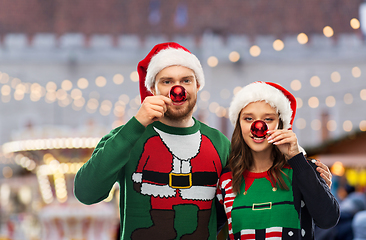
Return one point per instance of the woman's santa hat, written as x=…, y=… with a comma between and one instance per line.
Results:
x=165, y=55
x=274, y=94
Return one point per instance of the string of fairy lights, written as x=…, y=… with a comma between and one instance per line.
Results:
x=315, y=81
x=69, y=95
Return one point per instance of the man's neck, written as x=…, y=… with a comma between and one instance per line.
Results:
x=181, y=123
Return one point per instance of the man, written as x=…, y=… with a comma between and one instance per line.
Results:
x=166, y=162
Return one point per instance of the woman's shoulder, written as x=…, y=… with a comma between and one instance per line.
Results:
x=311, y=162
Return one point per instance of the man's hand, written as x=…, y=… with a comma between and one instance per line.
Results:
x=152, y=109
x=324, y=172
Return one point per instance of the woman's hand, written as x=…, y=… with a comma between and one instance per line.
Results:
x=285, y=140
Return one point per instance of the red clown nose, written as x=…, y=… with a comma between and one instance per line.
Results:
x=259, y=129
x=178, y=93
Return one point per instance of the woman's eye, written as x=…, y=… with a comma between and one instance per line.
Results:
x=248, y=119
x=268, y=119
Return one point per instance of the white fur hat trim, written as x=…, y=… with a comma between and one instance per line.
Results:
x=260, y=91
x=173, y=57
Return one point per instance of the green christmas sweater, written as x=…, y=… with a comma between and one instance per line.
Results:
x=262, y=210
x=167, y=177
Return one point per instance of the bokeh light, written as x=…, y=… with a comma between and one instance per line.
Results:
x=225, y=93
x=347, y=126
x=5, y=90
x=299, y=103
x=332, y=125
x=356, y=72
x=83, y=83
x=212, y=61
x=254, y=51
x=363, y=94
x=51, y=86
x=300, y=123
x=348, y=98
x=66, y=85
x=313, y=102
x=234, y=56
x=296, y=85
x=205, y=95
x=362, y=125
x=100, y=81
x=328, y=31
x=118, y=79
x=278, y=45
x=336, y=77
x=330, y=101
x=355, y=24
x=134, y=76
x=315, y=81
x=302, y=38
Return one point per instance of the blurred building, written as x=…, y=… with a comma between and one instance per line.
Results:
x=316, y=49
x=68, y=71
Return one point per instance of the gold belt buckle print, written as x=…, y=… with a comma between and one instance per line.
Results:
x=262, y=206
x=187, y=177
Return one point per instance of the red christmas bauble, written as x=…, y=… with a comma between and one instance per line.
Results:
x=259, y=128
x=178, y=93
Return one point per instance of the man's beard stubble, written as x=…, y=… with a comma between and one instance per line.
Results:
x=180, y=112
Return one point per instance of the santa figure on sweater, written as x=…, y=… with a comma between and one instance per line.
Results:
x=175, y=169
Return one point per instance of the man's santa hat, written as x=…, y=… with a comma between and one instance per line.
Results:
x=165, y=55
x=274, y=94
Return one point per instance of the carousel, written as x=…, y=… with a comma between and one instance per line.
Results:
x=49, y=158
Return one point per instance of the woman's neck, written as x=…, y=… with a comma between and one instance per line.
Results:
x=262, y=161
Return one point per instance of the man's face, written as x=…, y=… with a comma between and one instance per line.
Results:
x=177, y=75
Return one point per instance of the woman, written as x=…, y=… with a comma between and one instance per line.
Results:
x=269, y=190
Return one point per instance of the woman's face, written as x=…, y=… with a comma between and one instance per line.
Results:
x=257, y=111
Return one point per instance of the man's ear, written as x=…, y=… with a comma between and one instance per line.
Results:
x=153, y=90
x=198, y=86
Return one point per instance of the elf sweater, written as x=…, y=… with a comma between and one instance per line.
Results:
x=264, y=211
x=167, y=178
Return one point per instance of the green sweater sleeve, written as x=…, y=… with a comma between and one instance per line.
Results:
x=97, y=176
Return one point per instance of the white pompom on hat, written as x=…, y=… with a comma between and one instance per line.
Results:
x=165, y=55
x=274, y=94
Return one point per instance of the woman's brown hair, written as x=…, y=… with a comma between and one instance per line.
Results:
x=241, y=159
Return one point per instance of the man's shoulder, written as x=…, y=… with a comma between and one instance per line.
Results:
x=111, y=133
x=215, y=136
x=210, y=130
x=114, y=130
x=129, y=127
